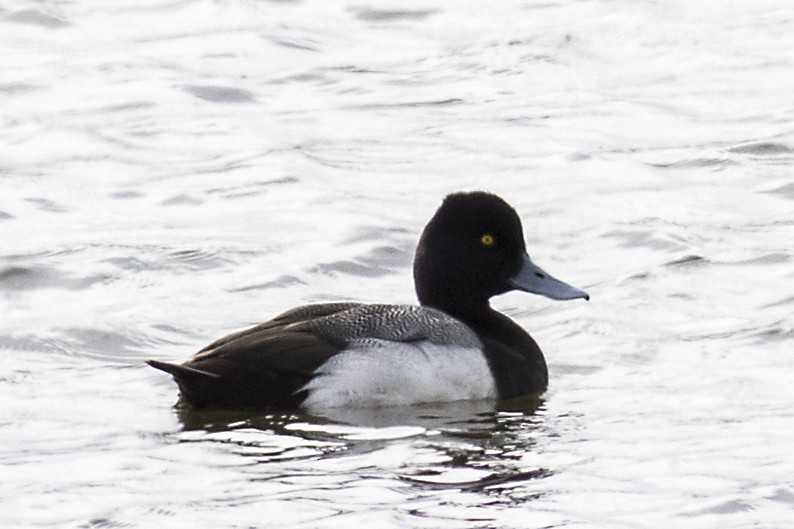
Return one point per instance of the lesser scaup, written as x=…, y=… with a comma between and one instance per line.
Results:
x=452, y=347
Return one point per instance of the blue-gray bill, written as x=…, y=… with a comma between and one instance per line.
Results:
x=531, y=278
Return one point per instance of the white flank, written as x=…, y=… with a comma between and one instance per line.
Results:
x=376, y=373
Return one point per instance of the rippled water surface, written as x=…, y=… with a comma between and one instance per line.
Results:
x=173, y=171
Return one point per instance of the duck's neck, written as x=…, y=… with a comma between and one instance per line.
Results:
x=486, y=321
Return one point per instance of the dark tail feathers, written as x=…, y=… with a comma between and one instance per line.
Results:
x=182, y=373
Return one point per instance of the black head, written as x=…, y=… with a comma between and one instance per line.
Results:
x=468, y=250
x=472, y=249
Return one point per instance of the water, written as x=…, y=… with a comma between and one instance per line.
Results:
x=173, y=171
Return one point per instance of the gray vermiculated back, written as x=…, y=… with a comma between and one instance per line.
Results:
x=404, y=323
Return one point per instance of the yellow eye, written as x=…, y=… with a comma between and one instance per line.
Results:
x=487, y=239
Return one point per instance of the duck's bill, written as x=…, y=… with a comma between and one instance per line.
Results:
x=531, y=278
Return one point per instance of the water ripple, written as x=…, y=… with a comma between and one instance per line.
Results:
x=37, y=18
x=37, y=277
x=221, y=94
x=386, y=15
x=764, y=149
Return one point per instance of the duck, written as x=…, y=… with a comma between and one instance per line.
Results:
x=453, y=346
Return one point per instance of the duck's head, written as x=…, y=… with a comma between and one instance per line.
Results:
x=472, y=249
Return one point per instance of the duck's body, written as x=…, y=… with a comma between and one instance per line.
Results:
x=453, y=347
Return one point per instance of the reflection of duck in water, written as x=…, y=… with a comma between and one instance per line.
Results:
x=453, y=347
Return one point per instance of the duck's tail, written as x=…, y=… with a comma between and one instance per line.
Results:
x=197, y=388
x=182, y=373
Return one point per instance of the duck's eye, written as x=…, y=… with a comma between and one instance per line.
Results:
x=487, y=239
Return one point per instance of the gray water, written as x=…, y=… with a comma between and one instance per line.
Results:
x=174, y=171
